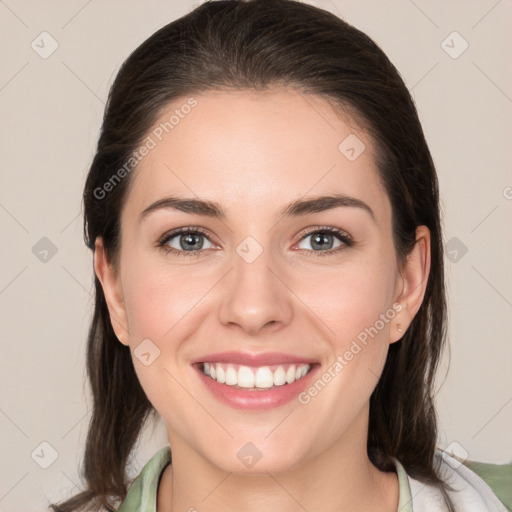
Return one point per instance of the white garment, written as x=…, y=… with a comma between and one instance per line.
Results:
x=470, y=494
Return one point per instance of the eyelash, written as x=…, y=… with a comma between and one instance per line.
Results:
x=182, y=231
x=341, y=235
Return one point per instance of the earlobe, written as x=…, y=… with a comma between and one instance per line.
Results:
x=397, y=332
x=414, y=278
x=111, y=284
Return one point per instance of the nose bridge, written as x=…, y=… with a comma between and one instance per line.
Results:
x=254, y=297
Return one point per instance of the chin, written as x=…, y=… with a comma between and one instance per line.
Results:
x=257, y=459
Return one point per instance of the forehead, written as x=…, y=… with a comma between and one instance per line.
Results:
x=255, y=149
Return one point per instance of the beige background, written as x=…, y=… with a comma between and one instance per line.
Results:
x=51, y=111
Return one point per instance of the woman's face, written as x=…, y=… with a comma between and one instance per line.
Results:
x=266, y=291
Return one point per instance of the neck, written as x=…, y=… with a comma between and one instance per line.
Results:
x=341, y=479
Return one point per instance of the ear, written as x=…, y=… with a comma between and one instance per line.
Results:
x=413, y=283
x=111, y=284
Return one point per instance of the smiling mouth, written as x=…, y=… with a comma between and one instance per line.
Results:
x=255, y=378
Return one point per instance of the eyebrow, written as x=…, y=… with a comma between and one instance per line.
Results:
x=294, y=209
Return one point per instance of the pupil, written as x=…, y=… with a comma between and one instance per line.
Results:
x=191, y=239
x=321, y=240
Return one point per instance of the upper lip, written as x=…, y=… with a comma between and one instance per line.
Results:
x=252, y=359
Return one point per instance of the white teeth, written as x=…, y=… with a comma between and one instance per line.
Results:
x=279, y=377
x=231, y=376
x=245, y=377
x=221, y=375
x=255, y=378
x=264, y=378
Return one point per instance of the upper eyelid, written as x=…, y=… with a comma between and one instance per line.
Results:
x=329, y=229
x=180, y=231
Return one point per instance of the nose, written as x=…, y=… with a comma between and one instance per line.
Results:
x=255, y=297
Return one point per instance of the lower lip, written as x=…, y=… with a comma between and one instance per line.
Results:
x=253, y=399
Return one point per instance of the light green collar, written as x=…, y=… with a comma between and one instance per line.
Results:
x=404, y=491
x=143, y=492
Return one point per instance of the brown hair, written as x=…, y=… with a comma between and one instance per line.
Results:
x=256, y=44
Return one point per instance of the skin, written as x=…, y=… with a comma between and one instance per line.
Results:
x=253, y=153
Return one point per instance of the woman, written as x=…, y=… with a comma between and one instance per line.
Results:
x=264, y=216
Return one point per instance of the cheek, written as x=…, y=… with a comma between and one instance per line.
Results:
x=158, y=297
x=351, y=299
x=159, y=302
x=356, y=310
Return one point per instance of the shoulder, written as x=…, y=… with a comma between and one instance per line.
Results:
x=472, y=490
x=497, y=476
x=142, y=494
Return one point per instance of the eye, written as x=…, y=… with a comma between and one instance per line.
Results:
x=185, y=242
x=190, y=241
x=327, y=240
